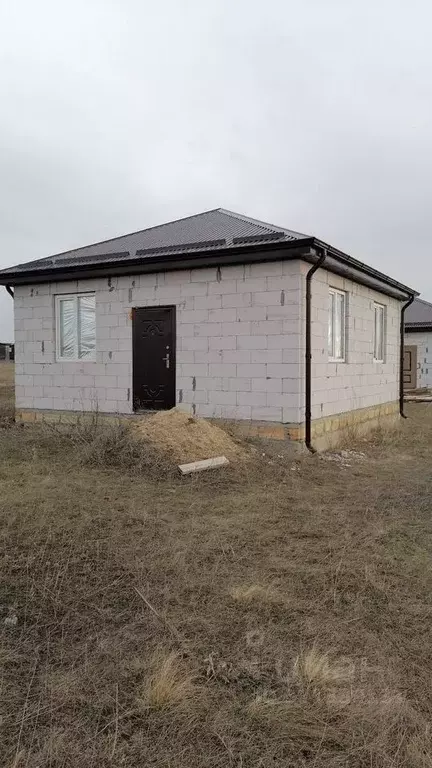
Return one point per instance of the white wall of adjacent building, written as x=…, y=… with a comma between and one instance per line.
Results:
x=423, y=341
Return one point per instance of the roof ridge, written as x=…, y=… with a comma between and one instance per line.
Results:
x=259, y=223
x=129, y=234
x=249, y=220
x=423, y=301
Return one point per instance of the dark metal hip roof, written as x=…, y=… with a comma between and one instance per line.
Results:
x=211, y=238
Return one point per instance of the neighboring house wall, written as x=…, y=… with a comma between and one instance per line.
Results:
x=359, y=382
x=238, y=342
x=423, y=342
x=6, y=352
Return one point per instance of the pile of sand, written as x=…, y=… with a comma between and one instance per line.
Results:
x=186, y=438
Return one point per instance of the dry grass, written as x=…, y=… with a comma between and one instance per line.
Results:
x=314, y=668
x=328, y=667
x=7, y=410
x=103, y=445
x=7, y=376
x=377, y=732
x=170, y=684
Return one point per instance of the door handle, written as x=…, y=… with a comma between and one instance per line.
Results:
x=166, y=359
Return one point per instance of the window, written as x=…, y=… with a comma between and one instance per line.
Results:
x=336, y=328
x=76, y=326
x=379, y=333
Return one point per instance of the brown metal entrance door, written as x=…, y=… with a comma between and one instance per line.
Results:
x=410, y=367
x=154, y=358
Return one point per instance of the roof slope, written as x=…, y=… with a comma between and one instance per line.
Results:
x=214, y=237
x=214, y=229
x=419, y=314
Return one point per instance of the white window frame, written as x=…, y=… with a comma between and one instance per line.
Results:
x=332, y=357
x=75, y=359
x=382, y=308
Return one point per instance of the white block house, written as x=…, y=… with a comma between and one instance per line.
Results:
x=218, y=314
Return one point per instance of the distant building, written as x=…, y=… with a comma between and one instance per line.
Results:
x=7, y=352
x=418, y=345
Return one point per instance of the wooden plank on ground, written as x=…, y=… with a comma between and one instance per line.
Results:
x=199, y=466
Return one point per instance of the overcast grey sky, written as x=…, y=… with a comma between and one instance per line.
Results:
x=120, y=114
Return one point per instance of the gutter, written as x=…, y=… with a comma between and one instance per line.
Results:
x=308, y=354
x=9, y=290
x=401, y=356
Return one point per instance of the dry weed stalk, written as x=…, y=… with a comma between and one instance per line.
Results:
x=249, y=593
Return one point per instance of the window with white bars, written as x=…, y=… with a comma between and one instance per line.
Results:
x=337, y=325
x=379, y=333
x=76, y=327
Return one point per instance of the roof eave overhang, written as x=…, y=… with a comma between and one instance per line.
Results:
x=297, y=249
x=346, y=266
x=418, y=328
x=307, y=249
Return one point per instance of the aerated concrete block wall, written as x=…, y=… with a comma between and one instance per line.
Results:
x=423, y=342
x=359, y=382
x=239, y=342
